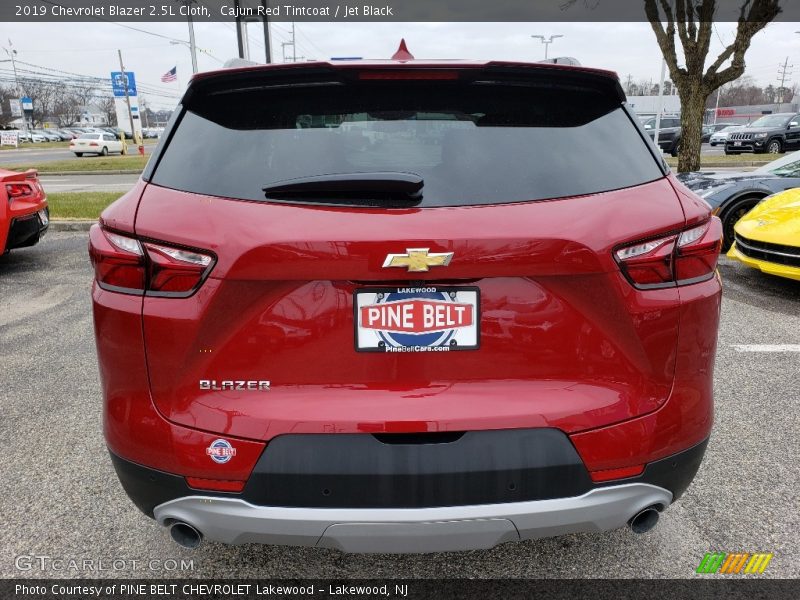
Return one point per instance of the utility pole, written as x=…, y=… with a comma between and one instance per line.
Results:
x=546, y=41
x=192, y=47
x=144, y=106
x=628, y=84
x=12, y=53
x=660, y=103
x=267, y=45
x=294, y=45
x=783, y=73
x=127, y=97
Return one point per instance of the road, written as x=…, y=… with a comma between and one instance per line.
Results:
x=61, y=497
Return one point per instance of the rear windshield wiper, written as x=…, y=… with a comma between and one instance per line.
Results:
x=370, y=189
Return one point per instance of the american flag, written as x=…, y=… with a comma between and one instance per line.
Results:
x=171, y=75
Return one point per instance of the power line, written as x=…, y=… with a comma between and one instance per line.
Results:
x=166, y=37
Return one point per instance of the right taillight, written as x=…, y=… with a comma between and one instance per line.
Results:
x=124, y=264
x=681, y=258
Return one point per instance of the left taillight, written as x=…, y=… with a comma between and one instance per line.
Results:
x=123, y=263
x=681, y=258
x=21, y=191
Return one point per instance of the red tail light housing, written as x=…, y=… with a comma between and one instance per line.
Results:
x=123, y=263
x=680, y=258
x=21, y=191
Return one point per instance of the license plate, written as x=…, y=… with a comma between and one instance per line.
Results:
x=417, y=319
x=737, y=143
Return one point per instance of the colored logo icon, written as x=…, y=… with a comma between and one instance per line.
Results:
x=221, y=451
x=737, y=562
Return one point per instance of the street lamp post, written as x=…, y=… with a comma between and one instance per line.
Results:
x=188, y=45
x=192, y=47
x=547, y=41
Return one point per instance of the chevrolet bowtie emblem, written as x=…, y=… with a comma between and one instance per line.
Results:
x=418, y=260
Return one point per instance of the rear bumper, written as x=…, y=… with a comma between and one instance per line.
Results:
x=27, y=230
x=439, y=529
x=235, y=518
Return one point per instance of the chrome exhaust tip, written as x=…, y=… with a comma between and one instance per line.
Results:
x=185, y=535
x=644, y=520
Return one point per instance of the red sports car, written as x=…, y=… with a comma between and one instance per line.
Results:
x=405, y=306
x=24, y=215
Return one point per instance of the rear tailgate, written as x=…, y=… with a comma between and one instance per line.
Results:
x=560, y=337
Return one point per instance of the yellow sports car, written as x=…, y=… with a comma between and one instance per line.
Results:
x=768, y=237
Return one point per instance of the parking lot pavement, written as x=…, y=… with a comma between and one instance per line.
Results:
x=61, y=498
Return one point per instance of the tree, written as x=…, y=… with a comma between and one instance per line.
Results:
x=67, y=110
x=692, y=21
x=108, y=108
x=742, y=92
x=44, y=95
x=5, y=95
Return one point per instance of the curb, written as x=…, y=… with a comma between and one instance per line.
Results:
x=76, y=225
x=66, y=173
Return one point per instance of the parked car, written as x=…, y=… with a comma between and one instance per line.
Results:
x=667, y=122
x=712, y=128
x=65, y=134
x=117, y=131
x=24, y=215
x=47, y=135
x=734, y=194
x=774, y=133
x=30, y=136
x=409, y=334
x=96, y=143
x=721, y=136
x=768, y=237
x=669, y=139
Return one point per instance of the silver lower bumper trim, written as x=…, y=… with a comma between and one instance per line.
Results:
x=405, y=530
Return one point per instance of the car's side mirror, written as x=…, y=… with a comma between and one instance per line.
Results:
x=792, y=124
x=648, y=126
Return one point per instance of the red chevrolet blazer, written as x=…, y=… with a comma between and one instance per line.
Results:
x=24, y=216
x=405, y=306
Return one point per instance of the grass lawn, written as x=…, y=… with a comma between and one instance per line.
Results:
x=87, y=163
x=732, y=159
x=79, y=205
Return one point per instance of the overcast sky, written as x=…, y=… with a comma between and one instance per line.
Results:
x=627, y=48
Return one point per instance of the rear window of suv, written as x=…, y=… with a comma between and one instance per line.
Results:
x=472, y=144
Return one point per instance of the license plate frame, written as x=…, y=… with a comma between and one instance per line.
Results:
x=459, y=338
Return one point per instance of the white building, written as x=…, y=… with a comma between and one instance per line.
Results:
x=647, y=106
